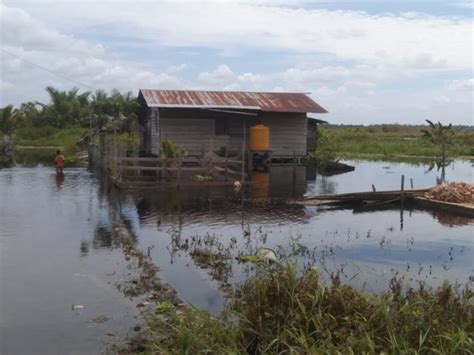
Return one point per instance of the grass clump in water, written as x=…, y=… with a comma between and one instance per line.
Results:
x=280, y=311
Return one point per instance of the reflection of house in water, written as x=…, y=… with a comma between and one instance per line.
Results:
x=263, y=201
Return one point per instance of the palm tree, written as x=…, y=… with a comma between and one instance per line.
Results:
x=66, y=107
x=8, y=119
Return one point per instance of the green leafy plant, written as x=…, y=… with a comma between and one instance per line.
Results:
x=169, y=150
x=8, y=119
x=326, y=150
x=439, y=134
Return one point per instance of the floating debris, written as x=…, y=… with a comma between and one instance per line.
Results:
x=77, y=306
x=100, y=319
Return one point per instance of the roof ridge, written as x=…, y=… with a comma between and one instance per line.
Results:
x=233, y=91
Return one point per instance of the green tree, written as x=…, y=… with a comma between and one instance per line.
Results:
x=326, y=150
x=31, y=114
x=67, y=108
x=439, y=134
x=117, y=107
x=8, y=119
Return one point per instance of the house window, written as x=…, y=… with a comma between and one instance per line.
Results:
x=221, y=127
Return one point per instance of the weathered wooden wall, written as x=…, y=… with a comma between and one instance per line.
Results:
x=287, y=132
x=193, y=134
x=154, y=129
x=194, y=130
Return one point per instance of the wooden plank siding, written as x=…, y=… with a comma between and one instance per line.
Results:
x=287, y=133
x=192, y=134
x=154, y=126
x=195, y=130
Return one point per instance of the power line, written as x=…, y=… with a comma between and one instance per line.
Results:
x=47, y=70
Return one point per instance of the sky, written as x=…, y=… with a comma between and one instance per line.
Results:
x=366, y=62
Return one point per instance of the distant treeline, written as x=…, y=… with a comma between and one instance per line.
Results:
x=70, y=108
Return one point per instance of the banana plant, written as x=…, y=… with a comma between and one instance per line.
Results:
x=441, y=135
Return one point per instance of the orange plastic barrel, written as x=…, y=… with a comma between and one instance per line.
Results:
x=259, y=137
x=260, y=184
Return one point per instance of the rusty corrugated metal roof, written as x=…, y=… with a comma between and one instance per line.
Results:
x=264, y=101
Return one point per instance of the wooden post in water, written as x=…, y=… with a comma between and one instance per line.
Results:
x=402, y=190
x=373, y=188
x=411, y=183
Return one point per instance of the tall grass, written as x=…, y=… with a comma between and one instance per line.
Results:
x=49, y=136
x=280, y=311
x=392, y=142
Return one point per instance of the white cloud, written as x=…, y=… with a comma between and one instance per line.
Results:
x=6, y=86
x=173, y=69
x=463, y=84
x=345, y=58
x=412, y=39
x=441, y=99
x=220, y=76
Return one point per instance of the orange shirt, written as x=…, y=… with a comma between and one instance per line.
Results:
x=59, y=160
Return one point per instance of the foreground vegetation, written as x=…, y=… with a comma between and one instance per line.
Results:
x=396, y=140
x=281, y=312
x=68, y=116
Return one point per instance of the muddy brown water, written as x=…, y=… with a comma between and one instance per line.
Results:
x=57, y=247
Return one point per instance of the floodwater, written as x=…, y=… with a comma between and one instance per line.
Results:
x=46, y=266
x=57, y=249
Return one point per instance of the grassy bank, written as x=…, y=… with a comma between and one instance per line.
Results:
x=394, y=141
x=49, y=136
x=40, y=144
x=281, y=312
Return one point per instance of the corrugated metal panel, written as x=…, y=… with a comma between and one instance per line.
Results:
x=264, y=101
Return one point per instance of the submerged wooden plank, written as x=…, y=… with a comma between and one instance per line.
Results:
x=461, y=208
x=367, y=196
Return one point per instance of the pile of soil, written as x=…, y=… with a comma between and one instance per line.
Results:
x=458, y=192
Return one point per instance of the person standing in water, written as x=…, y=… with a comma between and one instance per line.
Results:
x=59, y=162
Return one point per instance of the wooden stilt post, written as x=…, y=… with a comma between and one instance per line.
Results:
x=411, y=183
x=294, y=167
x=180, y=160
x=243, y=163
x=225, y=167
x=203, y=154
x=373, y=188
x=402, y=190
x=244, y=144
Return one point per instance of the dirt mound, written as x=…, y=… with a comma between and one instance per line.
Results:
x=458, y=192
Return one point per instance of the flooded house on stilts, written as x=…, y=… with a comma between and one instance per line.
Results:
x=265, y=126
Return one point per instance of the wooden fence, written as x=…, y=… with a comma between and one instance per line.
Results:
x=128, y=171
